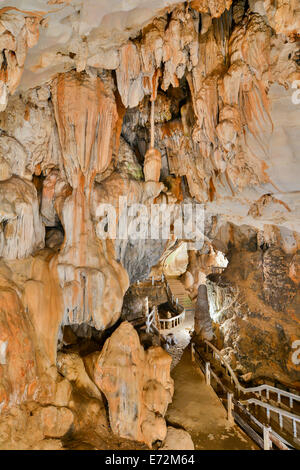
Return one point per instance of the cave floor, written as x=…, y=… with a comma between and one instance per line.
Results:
x=197, y=409
x=183, y=338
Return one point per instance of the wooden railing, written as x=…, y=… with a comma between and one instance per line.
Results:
x=154, y=282
x=255, y=390
x=281, y=413
x=173, y=322
x=239, y=410
x=150, y=319
x=165, y=323
x=269, y=435
x=217, y=269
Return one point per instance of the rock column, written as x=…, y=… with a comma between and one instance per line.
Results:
x=203, y=324
x=88, y=125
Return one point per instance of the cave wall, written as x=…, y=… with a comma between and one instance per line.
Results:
x=74, y=129
x=254, y=304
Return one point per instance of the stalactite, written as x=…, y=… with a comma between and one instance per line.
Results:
x=152, y=130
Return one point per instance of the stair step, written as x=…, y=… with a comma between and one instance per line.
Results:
x=181, y=294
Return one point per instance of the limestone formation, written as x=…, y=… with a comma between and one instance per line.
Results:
x=72, y=367
x=137, y=385
x=177, y=439
x=18, y=33
x=128, y=106
x=255, y=302
x=22, y=229
x=87, y=119
x=203, y=326
x=152, y=165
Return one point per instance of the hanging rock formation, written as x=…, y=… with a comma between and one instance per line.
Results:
x=167, y=103
x=19, y=31
x=87, y=119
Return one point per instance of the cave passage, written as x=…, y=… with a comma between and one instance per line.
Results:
x=149, y=225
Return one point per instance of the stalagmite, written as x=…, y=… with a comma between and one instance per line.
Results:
x=203, y=322
x=137, y=385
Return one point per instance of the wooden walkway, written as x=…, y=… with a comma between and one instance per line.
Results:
x=197, y=409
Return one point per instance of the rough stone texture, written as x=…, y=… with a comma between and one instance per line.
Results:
x=203, y=326
x=255, y=305
x=22, y=229
x=18, y=33
x=18, y=365
x=137, y=385
x=55, y=422
x=177, y=439
x=152, y=165
x=176, y=262
x=29, y=140
x=73, y=78
x=136, y=255
x=72, y=367
x=129, y=78
x=87, y=118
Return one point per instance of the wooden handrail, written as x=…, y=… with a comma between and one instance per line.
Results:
x=178, y=319
x=278, y=440
x=150, y=318
x=294, y=418
x=269, y=388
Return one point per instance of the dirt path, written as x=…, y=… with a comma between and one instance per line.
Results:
x=197, y=409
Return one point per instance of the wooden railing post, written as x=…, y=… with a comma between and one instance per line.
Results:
x=147, y=306
x=294, y=428
x=207, y=373
x=267, y=440
x=230, y=407
x=193, y=352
